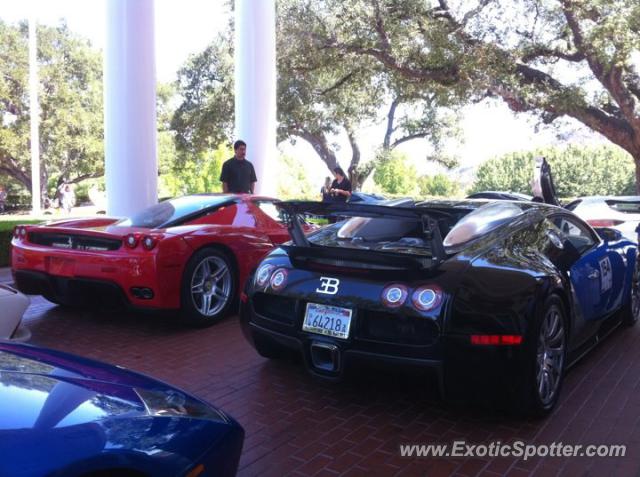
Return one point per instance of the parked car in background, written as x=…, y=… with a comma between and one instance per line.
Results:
x=617, y=212
x=63, y=415
x=189, y=254
x=13, y=305
x=491, y=295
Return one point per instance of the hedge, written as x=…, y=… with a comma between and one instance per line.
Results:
x=6, y=231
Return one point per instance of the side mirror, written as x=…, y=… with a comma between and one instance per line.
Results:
x=609, y=235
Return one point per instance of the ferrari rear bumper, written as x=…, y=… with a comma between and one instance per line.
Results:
x=68, y=291
x=75, y=291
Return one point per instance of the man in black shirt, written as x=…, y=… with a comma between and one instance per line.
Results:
x=238, y=175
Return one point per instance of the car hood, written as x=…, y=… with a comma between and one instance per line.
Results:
x=65, y=415
x=31, y=377
x=42, y=402
x=46, y=392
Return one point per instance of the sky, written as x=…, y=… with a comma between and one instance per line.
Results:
x=185, y=27
x=182, y=27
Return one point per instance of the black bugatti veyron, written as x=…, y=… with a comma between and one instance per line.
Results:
x=487, y=293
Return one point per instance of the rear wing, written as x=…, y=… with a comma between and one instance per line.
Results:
x=296, y=210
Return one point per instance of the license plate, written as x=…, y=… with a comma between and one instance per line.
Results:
x=61, y=266
x=327, y=320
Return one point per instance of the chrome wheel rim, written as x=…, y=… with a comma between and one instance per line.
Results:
x=211, y=286
x=550, y=356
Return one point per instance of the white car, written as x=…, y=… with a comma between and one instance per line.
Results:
x=13, y=305
x=621, y=213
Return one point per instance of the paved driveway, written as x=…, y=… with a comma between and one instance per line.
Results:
x=299, y=426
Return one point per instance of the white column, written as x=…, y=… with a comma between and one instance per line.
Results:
x=34, y=111
x=130, y=107
x=255, y=86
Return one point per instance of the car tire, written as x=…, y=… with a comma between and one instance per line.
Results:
x=631, y=310
x=544, y=360
x=208, y=287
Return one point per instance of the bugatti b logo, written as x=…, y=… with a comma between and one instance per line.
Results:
x=328, y=286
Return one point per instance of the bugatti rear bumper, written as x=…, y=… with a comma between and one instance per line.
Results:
x=460, y=369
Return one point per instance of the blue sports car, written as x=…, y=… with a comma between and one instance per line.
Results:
x=62, y=415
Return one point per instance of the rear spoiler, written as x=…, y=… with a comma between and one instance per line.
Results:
x=294, y=210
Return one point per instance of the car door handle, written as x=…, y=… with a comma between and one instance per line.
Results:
x=594, y=274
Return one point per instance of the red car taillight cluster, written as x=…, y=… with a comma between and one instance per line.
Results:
x=604, y=222
x=493, y=340
x=423, y=298
x=20, y=231
x=148, y=242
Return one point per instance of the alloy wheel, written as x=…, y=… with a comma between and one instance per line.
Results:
x=211, y=285
x=550, y=355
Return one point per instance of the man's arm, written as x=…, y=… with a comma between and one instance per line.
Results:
x=254, y=179
x=223, y=177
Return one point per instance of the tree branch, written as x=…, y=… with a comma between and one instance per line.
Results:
x=542, y=52
x=355, y=156
x=407, y=138
x=338, y=83
x=318, y=141
x=446, y=75
x=386, y=143
x=610, y=76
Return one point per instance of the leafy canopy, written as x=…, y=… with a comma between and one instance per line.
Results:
x=577, y=171
x=70, y=94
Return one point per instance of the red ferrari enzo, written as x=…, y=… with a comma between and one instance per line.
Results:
x=191, y=253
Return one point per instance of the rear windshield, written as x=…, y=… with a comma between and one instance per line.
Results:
x=379, y=234
x=402, y=235
x=173, y=210
x=627, y=206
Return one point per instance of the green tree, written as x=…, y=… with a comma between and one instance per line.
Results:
x=395, y=175
x=577, y=171
x=70, y=94
x=320, y=96
x=293, y=181
x=198, y=174
x=204, y=119
x=439, y=185
x=519, y=51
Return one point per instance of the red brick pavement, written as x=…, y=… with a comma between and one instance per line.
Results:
x=296, y=425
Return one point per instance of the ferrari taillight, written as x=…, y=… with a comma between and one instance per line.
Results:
x=131, y=241
x=148, y=242
x=491, y=340
x=19, y=232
